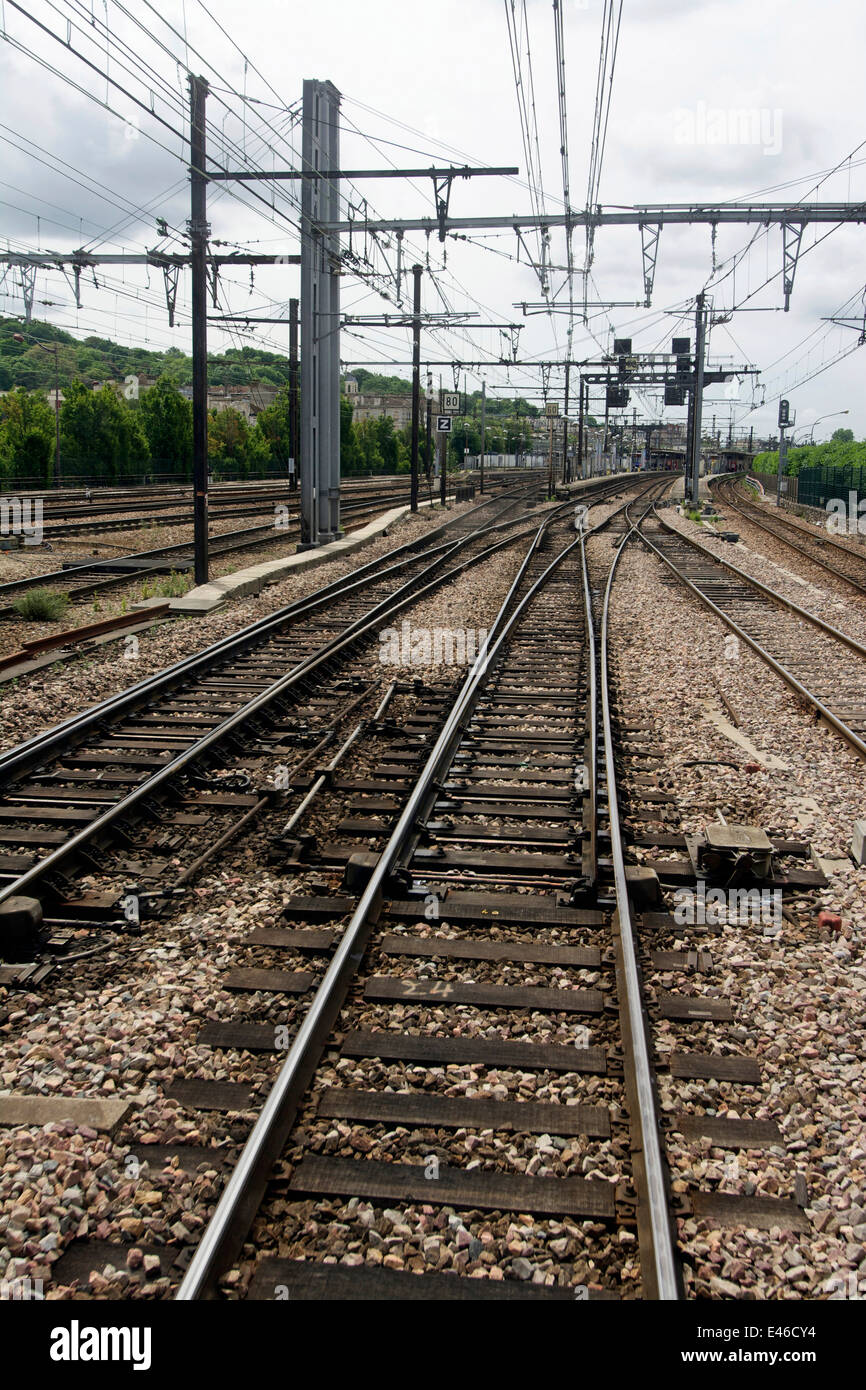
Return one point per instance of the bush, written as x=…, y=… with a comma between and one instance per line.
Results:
x=41, y=606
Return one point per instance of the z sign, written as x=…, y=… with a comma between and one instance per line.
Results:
x=443, y=424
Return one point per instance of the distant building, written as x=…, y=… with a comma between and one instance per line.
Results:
x=372, y=405
x=248, y=401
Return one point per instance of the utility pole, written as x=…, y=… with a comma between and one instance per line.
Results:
x=320, y=316
x=483, y=429
x=443, y=457
x=784, y=423
x=294, y=451
x=550, y=462
x=690, y=433
x=198, y=233
x=698, y=393
x=416, y=384
x=783, y=462
x=580, y=429
x=56, y=414
x=565, y=473
x=428, y=457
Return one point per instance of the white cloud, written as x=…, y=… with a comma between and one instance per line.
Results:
x=446, y=71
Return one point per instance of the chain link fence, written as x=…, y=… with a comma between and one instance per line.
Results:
x=817, y=486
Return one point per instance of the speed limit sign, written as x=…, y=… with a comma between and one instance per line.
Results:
x=450, y=401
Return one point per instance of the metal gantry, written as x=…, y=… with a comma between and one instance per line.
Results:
x=320, y=318
x=322, y=261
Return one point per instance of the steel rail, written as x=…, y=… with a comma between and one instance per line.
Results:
x=660, y=1267
x=87, y=526
x=822, y=710
x=79, y=513
x=23, y=754
x=235, y=1211
x=727, y=480
x=592, y=714
x=831, y=631
x=228, y=1227
x=185, y=548
x=407, y=594
x=763, y=524
x=224, y=544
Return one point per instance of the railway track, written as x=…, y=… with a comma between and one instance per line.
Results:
x=496, y=958
x=469, y=977
x=69, y=788
x=108, y=510
x=98, y=522
x=138, y=506
x=823, y=666
x=94, y=577
x=440, y=1043
x=547, y=791
x=819, y=548
x=704, y=974
x=76, y=783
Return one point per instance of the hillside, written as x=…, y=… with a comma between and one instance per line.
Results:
x=99, y=359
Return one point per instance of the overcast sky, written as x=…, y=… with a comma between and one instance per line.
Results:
x=711, y=102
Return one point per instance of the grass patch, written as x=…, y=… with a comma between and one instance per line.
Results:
x=173, y=586
x=41, y=606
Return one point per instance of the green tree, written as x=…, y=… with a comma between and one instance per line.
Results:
x=466, y=434
x=100, y=436
x=351, y=461
x=272, y=429
x=232, y=445
x=26, y=435
x=494, y=439
x=518, y=436
x=404, y=438
x=369, y=451
x=373, y=383
x=843, y=436
x=166, y=417
x=393, y=454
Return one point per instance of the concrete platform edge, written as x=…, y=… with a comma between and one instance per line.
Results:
x=252, y=580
